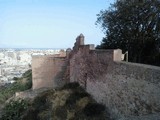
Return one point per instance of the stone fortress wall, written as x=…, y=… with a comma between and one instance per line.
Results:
x=125, y=88
x=48, y=70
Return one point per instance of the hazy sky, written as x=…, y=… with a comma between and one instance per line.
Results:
x=49, y=23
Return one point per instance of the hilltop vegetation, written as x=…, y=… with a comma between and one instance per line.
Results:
x=70, y=102
x=21, y=84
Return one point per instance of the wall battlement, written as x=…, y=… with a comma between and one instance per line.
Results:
x=127, y=89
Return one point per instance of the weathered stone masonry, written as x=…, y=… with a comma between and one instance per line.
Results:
x=47, y=71
x=125, y=88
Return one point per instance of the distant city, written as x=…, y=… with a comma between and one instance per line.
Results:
x=15, y=61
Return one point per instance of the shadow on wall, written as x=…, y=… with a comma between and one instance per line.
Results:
x=60, y=79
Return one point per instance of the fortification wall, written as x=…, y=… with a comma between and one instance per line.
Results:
x=129, y=89
x=125, y=88
x=86, y=62
x=89, y=64
x=47, y=71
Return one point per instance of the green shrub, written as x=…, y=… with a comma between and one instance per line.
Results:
x=40, y=107
x=14, y=110
x=15, y=78
x=72, y=85
x=75, y=96
x=28, y=73
x=40, y=103
x=93, y=109
x=19, y=85
x=61, y=113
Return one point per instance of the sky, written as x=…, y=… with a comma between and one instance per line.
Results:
x=49, y=23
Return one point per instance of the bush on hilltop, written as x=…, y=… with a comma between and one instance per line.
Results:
x=21, y=84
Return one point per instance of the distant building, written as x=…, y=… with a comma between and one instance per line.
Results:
x=12, y=55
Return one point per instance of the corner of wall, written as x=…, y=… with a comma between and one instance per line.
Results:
x=117, y=55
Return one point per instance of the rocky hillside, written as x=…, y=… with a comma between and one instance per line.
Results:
x=20, y=84
x=70, y=102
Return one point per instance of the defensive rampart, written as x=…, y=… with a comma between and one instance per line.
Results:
x=127, y=89
x=48, y=71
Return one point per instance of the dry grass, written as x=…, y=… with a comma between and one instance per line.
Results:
x=66, y=104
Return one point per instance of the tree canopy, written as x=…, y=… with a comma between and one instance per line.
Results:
x=133, y=26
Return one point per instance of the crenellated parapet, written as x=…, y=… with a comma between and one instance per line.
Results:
x=48, y=70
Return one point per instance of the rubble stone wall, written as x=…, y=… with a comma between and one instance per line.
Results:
x=127, y=89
